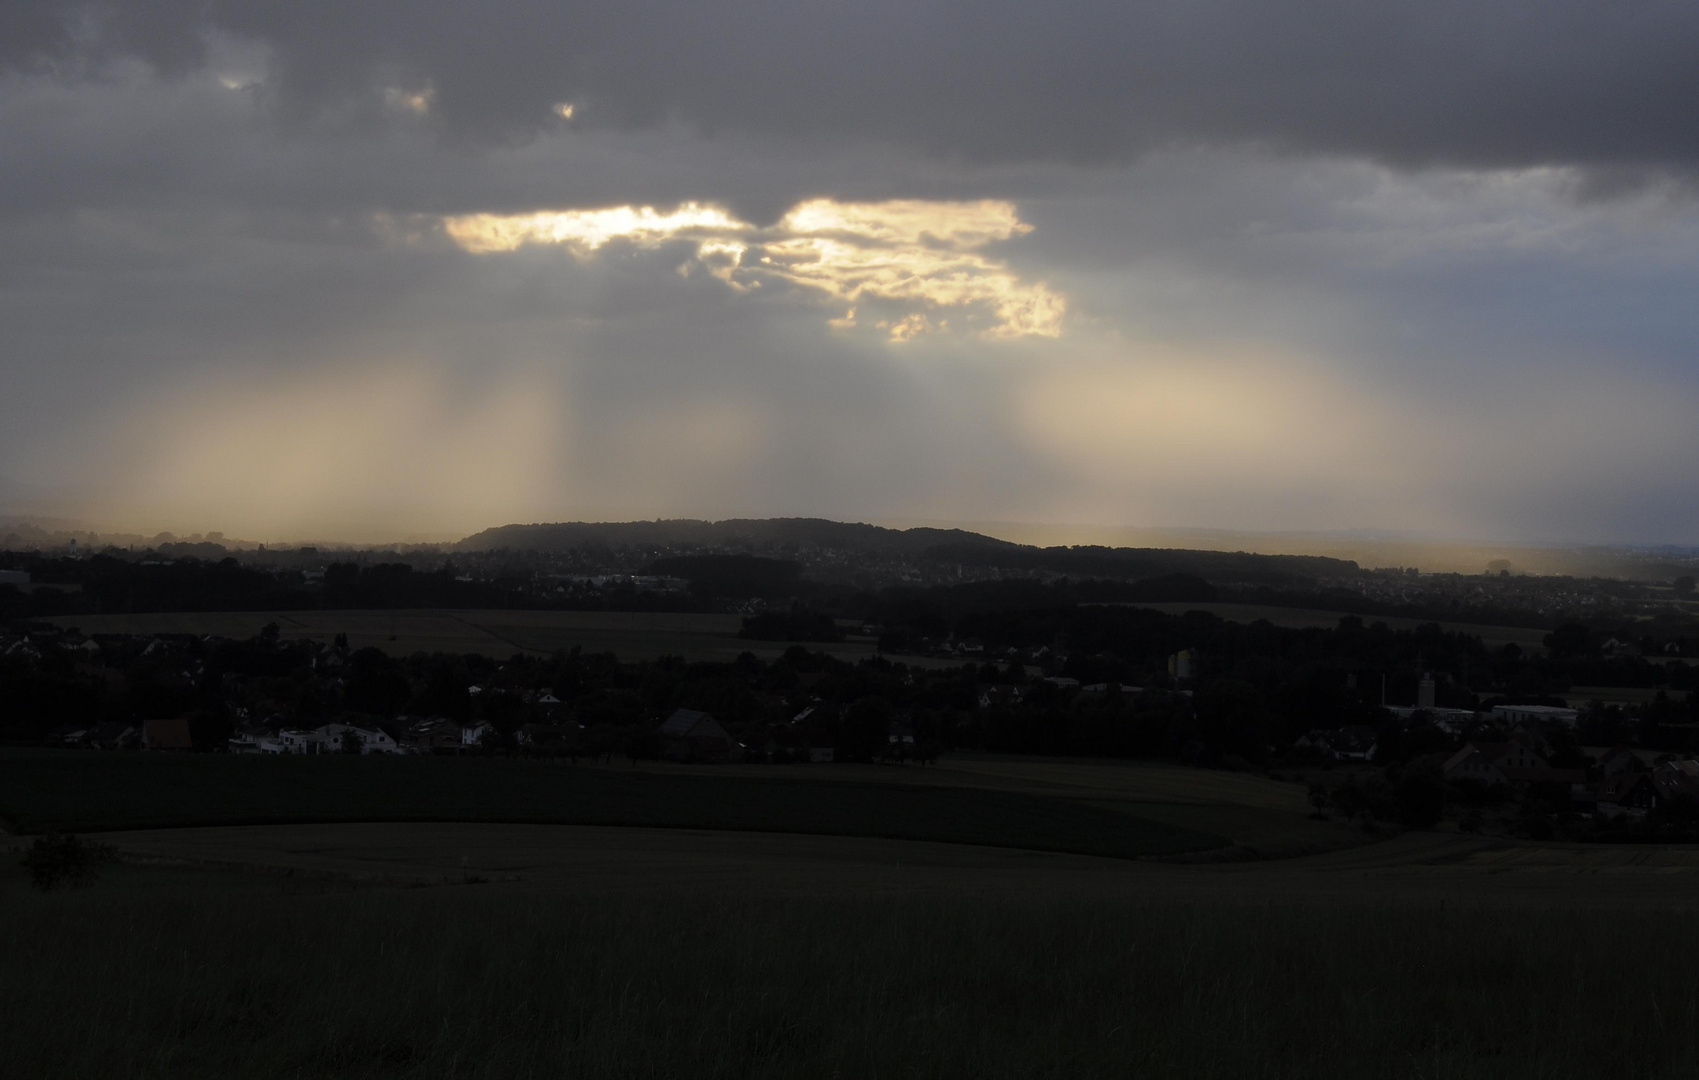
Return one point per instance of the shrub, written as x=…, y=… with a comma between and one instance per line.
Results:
x=1420, y=797
x=65, y=859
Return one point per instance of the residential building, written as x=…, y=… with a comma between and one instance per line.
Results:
x=435, y=735
x=1538, y=713
x=688, y=734
x=1627, y=793
x=373, y=739
x=1512, y=762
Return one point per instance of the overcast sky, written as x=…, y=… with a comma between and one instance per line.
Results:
x=376, y=270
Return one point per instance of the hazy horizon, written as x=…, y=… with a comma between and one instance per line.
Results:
x=1370, y=550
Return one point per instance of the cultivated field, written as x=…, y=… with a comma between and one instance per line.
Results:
x=1259, y=816
x=1303, y=618
x=761, y=922
x=497, y=951
x=84, y=792
x=596, y=860
x=632, y=635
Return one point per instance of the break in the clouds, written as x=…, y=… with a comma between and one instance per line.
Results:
x=377, y=269
x=907, y=254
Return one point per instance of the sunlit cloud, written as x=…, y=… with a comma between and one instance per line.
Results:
x=564, y=110
x=584, y=231
x=922, y=252
x=906, y=267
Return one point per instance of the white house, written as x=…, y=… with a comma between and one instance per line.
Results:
x=302, y=741
x=256, y=742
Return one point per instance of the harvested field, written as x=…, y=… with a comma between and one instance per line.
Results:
x=1141, y=781
x=1256, y=815
x=1261, y=817
x=491, y=949
x=1414, y=868
x=1493, y=637
x=631, y=635
x=601, y=952
x=84, y=792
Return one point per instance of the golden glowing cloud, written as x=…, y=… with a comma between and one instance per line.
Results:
x=909, y=250
x=585, y=230
x=915, y=263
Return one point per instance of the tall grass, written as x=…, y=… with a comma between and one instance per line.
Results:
x=130, y=980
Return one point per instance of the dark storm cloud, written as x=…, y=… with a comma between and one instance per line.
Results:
x=228, y=299
x=1457, y=82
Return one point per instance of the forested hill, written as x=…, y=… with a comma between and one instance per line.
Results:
x=731, y=533
x=955, y=547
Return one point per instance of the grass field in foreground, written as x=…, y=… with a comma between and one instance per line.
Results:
x=631, y=635
x=82, y=792
x=1261, y=816
x=188, y=974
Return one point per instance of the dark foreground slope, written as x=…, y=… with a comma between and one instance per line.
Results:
x=81, y=792
x=157, y=972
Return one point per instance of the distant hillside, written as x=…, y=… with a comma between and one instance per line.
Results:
x=934, y=547
x=731, y=533
x=1138, y=563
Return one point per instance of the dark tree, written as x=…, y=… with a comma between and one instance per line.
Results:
x=65, y=859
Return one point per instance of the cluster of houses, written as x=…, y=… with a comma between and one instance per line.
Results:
x=1516, y=755
x=121, y=735
x=1010, y=694
x=1623, y=781
x=1620, y=781
x=33, y=646
x=1359, y=742
x=686, y=735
